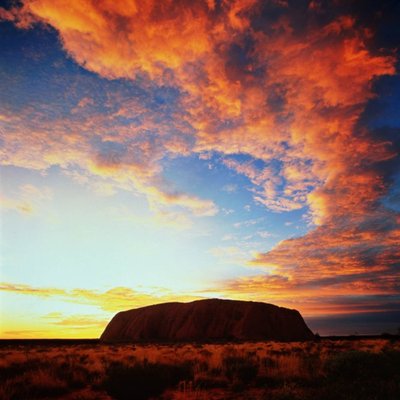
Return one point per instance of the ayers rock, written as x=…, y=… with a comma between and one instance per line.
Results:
x=207, y=320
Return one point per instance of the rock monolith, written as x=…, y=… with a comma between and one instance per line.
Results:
x=207, y=320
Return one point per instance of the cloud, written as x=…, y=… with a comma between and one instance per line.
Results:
x=28, y=199
x=177, y=220
x=17, y=205
x=35, y=193
x=230, y=254
x=266, y=181
x=285, y=84
x=329, y=266
x=199, y=207
x=230, y=188
x=77, y=321
x=218, y=58
x=21, y=17
x=170, y=34
x=264, y=234
x=112, y=300
x=119, y=155
x=344, y=250
x=337, y=297
x=248, y=222
x=53, y=325
x=26, y=289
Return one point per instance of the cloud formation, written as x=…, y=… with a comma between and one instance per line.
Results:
x=282, y=83
x=245, y=88
x=112, y=300
x=29, y=198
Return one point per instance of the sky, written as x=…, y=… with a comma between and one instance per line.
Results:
x=177, y=150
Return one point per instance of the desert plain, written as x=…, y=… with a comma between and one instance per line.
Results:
x=325, y=369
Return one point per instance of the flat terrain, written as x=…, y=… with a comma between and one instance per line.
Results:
x=364, y=369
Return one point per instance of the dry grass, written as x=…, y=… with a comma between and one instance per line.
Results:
x=364, y=369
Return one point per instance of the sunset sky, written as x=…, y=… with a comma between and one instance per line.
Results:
x=158, y=151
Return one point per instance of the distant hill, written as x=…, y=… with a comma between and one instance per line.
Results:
x=207, y=320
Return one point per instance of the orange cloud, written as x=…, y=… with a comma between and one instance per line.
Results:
x=150, y=35
x=290, y=89
x=327, y=252
x=21, y=17
x=307, y=115
x=59, y=325
x=316, y=271
x=134, y=165
x=198, y=206
x=53, y=325
x=115, y=299
x=76, y=321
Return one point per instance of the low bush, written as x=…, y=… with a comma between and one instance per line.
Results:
x=143, y=380
x=362, y=365
x=240, y=369
x=359, y=375
x=206, y=382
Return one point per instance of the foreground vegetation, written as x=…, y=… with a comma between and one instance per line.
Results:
x=326, y=369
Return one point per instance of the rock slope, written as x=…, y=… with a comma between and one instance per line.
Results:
x=207, y=320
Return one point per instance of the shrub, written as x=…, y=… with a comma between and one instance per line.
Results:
x=241, y=369
x=143, y=381
x=311, y=364
x=360, y=365
x=205, y=382
x=358, y=375
x=76, y=376
x=36, y=384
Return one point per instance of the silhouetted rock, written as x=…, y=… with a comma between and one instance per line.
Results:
x=207, y=320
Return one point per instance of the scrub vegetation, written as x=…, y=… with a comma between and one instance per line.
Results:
x=367, y=369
